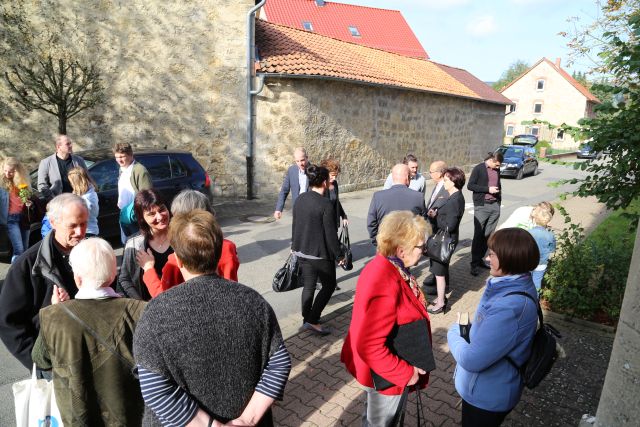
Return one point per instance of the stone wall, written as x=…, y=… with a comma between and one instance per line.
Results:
x=367, y=128
x=174, y=73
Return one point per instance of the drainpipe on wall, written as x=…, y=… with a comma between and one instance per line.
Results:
x=251, y=93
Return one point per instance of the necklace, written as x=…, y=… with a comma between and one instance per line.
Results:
x=157, y=242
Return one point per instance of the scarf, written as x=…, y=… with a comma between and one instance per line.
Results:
x=409, y=279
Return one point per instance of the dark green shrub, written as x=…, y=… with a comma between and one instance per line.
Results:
x=587, y=276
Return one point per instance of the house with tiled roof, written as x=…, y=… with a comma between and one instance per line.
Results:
x=548, y=93
x=369, y=26
x=367, y=107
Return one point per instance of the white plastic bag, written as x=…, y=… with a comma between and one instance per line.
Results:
x=36, y=403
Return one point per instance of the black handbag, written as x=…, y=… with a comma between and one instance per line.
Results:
x=287, y=278
x=411, y=343
x=440, y=246
x=345, y=247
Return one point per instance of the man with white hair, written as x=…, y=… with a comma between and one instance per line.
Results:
x=295, y=181
x=53, y=170
x=90, y=338
x=30, y=281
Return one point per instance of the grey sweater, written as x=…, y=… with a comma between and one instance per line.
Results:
x=213, y=338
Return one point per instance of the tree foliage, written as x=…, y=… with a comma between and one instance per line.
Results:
x=615, y=129
x=510, y=74
x=45, y=68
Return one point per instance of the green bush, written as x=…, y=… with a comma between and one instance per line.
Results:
x=542, y=143
x=587, y=276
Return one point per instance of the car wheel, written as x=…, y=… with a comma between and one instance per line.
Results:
x=535, y=171
x=520, y=174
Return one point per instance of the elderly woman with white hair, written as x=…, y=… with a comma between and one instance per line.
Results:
x=88, y=343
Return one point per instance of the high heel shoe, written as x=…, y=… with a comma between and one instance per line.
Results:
x=442, y=309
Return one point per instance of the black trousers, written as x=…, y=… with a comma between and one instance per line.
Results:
x=472, y=416
x=311, y=270
x=485, y=221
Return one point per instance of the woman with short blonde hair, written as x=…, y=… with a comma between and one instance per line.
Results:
x=14, y=190
x=387, y=296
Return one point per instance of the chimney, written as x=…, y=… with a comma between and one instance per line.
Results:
x=558, y=62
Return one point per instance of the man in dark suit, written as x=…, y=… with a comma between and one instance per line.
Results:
x=438, y=198
x=295, y=181
x=485, y=185
x=397, y=198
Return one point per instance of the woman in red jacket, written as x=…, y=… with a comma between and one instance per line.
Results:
x=228, y=264
x=387, y=295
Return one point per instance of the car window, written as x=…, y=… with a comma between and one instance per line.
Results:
x=105, y=174
x=177, y=168
x=158, y=166
x=514, y=152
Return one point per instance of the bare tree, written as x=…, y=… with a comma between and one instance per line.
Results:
x=58, y=87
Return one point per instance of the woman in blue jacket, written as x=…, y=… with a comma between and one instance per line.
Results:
x=504, y=327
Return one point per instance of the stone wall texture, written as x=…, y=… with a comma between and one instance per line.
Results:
x=174, y=73
x=561, y=103
x=367, y=128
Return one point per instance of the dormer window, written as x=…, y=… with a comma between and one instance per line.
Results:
x=354, y=31
x=540, y=85
x=307, y=25
x=319, y=3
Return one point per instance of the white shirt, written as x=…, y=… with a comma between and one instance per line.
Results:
x=125, y=189
x=436, y=190
x=303, y=180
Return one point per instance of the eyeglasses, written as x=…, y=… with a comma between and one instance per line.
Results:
x=422, y=247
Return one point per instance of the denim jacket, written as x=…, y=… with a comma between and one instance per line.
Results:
x=503, y=326
x=546, y=241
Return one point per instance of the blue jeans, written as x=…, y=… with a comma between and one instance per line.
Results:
x=19, y=237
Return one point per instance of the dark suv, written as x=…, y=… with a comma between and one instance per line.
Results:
x=519, y=157
x=171, y=171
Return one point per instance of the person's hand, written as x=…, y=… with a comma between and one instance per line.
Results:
x=145, y=259
x=432, y=213
x=59, y=295
x=341, y=261
x=494, y=190
x=345, y=222
x=277, y=214
x=416, y=375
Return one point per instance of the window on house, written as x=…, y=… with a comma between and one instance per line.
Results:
x=560, y=135
x=354, y=31
x=537, y=108
x=510, y=130
x=540, y=85
x=513, y=107
x=307, y=25
x=535, y=130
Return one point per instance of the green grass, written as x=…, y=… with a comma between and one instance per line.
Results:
x=619, y=225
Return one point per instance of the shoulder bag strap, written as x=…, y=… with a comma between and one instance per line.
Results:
x=540, y=319
x=398, y=418
x=98, y=337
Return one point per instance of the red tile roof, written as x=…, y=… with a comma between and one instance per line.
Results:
x=380, y=28
x=291, y=52
x=475, y=84
x=583, y=90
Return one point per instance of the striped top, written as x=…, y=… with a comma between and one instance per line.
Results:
x=174, y=407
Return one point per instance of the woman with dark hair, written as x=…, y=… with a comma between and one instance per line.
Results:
x=332, y=193
x=448, y=218
x=315, y=243
x=153, y=221
x=502, y=332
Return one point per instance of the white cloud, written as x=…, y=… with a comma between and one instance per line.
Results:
x=482, y=25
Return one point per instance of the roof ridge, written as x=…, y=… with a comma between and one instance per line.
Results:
x=344, y=41
x=363, y=6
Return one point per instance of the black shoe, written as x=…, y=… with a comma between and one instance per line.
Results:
x=475, y=270
x=429, y=282
x=442, y=309
x=322, y=331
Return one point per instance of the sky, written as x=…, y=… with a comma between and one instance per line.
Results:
x=486, y=36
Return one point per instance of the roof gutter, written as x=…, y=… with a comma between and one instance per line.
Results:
x=384, y=85
x=250, y=94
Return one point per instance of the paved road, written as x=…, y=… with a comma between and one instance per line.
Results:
x=263, y=246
